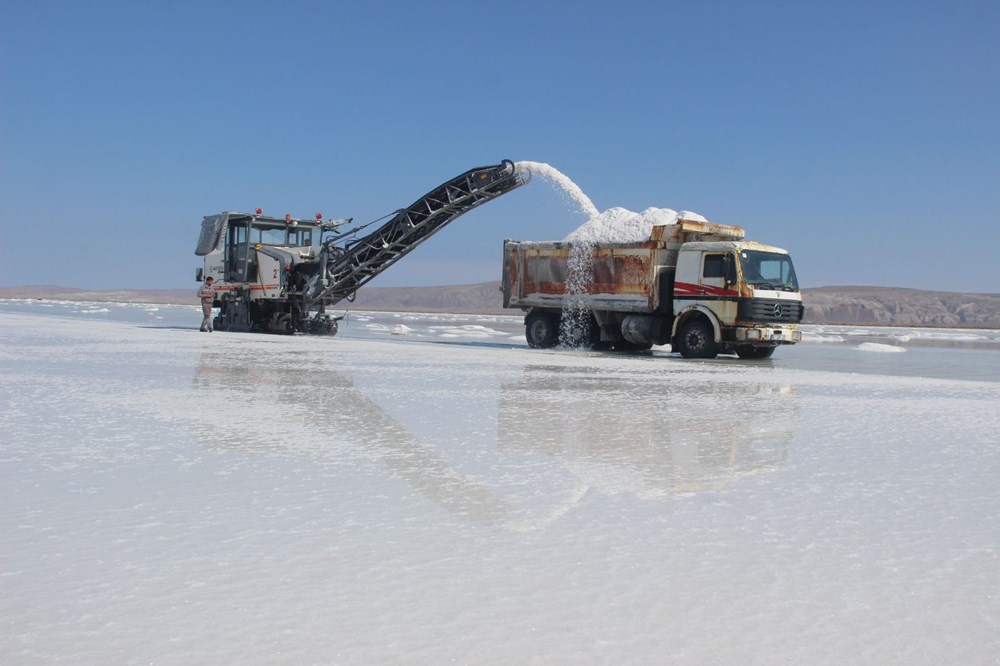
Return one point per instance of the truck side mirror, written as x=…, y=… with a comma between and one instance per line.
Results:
x=199, y=274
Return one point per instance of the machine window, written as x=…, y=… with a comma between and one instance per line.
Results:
x=272, y=236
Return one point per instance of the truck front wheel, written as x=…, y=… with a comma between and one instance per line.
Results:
x=541, y=329
x=696, y=339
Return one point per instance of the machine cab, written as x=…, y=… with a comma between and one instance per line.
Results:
x=230, y=243
x=247, y=234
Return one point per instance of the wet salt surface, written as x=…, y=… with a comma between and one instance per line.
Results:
x=174, y=497
x=933, y=352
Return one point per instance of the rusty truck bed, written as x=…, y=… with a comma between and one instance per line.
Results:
x=626, y=277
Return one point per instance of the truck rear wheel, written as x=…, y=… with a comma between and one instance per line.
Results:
x=541, y=329
x=751, y=352
x=697, y=340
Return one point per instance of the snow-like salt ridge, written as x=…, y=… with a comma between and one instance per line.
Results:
x=879, y=347
x=183, y=315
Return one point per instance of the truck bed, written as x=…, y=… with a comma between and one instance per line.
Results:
x=626, y=277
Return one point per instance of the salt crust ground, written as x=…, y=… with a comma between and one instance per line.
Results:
x=172, y=497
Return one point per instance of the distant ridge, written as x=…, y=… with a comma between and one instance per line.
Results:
x=56, y=293
x=900, y=306
x=886, y=306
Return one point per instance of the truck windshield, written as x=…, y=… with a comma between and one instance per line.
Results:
x=769, y=270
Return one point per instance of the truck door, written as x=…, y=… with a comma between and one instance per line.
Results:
x=702, y=280
x=237, y=246
x=718, y=285
x=713, y=273
x=703, y=274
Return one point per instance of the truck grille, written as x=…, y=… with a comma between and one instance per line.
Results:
x=770, y=310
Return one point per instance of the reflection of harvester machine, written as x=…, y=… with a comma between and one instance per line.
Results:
x=280, y=275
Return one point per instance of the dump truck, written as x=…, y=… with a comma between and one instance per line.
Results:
x=280, y=275
x=698, y=286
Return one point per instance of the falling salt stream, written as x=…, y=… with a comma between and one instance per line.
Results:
x=615, y=225
x=570, y=190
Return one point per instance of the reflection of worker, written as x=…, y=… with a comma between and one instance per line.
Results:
x=207, y=295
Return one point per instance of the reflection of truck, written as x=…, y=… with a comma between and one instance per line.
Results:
x=696, y=285
x=279, y=275
x=654, y=450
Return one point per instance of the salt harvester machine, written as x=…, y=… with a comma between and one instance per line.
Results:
x=280, y=275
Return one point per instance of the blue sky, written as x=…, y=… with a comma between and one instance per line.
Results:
x=864, y=137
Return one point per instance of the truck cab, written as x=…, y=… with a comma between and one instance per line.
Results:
x=745, y=291
x=696, y=285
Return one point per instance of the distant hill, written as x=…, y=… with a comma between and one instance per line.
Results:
x=56, y=293
x=824, y=305
x=902, y=307
x=483, y=298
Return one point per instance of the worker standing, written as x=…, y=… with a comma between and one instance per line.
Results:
x=207, y=295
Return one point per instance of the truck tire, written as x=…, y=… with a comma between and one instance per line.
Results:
x=696, y=339
x=541, y=329
x=752, y=353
